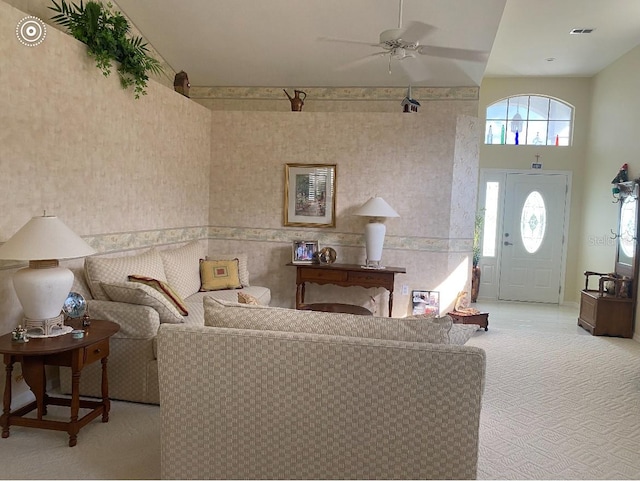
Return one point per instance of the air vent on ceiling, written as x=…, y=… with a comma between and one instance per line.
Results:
x=580, y=31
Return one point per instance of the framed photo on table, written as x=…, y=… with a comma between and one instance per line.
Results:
x=310, y=195
x=305, y=252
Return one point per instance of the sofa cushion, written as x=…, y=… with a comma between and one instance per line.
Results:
x=118, y=269
x=219, y=274
x=182, y=267
x=136, y=293
x=244, y=316
x=242, y=265
x=165, y=289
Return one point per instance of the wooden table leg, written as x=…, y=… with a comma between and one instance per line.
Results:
x=75, y=406
x=105, y=392
x=34, y=376
x=4, y=420
x=299, y=295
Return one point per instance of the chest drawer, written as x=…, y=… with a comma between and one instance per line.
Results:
x=95, y=351
x=309, y=274
x=374, y=278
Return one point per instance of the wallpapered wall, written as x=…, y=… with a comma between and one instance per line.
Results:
x=75, y=144
x=127, y=174
x=137, y=167
x=417, y=163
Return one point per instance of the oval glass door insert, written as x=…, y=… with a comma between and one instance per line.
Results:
x=628, y=226
x=533, y=222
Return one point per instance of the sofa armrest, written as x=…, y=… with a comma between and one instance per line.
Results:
x=136, y=321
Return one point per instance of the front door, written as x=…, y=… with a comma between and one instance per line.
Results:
x=532, y=238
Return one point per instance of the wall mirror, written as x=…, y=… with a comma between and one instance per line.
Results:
x=626, y=248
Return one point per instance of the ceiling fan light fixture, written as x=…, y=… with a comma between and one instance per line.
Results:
x=390, y=37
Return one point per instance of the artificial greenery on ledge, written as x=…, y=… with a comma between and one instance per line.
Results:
x=106, y=35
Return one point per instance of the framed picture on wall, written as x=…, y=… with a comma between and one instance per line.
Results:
x=309, y=195
x=305, y=252
x=426, y=302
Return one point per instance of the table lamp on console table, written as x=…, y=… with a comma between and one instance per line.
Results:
x=43, y=287
x=376, y=208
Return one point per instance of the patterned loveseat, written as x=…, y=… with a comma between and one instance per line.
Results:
x=273, y=393
x=140, y=310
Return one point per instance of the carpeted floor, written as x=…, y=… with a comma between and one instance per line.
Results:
x=558, y=404
x=127, y=447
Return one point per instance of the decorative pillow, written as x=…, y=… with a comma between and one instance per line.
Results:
x=117, y=269
x=136, y=293
x=243, y=316
x=217, y=275
x=182, y=267
x=244, y=298
x=164, y=289
x=242, y=265
x=461, y=333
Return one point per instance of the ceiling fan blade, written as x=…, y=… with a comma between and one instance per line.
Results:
x=454, y=53
x=415, y=31
x=416, y=71
x=345, y=40
x=361, y=61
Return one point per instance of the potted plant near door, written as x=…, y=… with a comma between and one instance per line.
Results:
x=475, y=270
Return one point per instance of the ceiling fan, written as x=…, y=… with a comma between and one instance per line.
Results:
x=404, y=43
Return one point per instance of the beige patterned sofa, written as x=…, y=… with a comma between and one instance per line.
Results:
x=132, y=362
x=272, y=393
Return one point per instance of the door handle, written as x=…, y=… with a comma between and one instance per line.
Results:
x=507, y=243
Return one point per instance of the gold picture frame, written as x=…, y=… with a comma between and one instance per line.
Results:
x=310, y=195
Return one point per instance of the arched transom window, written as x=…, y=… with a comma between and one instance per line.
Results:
x=529, y=120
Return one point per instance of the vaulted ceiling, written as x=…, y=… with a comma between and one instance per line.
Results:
x=331, y=43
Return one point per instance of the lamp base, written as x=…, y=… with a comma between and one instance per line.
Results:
x=373, y=265
x=44, y=326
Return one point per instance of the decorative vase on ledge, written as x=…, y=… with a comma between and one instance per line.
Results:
x=475, y=283
x=296, y=101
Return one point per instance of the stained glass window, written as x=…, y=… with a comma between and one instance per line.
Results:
x=529, y=120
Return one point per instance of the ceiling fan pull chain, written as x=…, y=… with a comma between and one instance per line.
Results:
x=389, y=64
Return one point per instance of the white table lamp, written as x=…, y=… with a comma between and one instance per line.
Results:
x=376, y=208
x=43, y=287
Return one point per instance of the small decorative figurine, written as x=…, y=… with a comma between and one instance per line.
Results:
x=19, y=334
x=181, y=83
x=621, y=177
x=462, y=304
x=409, y=105
x=296, y=101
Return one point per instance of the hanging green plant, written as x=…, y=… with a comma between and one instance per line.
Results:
x=106, y=35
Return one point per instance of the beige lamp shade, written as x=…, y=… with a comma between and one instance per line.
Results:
x=43, y=287
x=45, y=237
x=376, y=207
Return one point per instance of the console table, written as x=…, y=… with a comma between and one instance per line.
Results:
x=61, y=350
x=345, y=275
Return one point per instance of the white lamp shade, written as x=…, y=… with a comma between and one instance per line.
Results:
x=376, y=207
x=42, y=238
